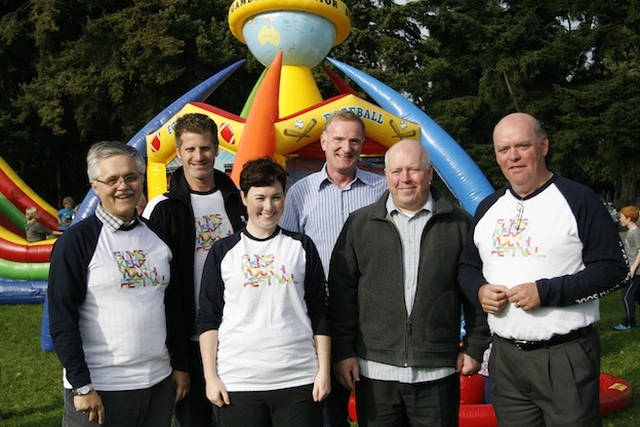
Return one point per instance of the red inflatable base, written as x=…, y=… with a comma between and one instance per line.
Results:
x=615, y=395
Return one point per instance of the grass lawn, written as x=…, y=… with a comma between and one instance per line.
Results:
x=30, y=379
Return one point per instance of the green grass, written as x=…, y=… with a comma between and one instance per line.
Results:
x=30, y=379
x=620, y=356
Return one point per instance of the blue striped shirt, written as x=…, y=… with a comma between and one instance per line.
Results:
x=318, y=207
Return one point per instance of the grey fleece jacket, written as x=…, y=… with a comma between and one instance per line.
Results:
x=367, y=311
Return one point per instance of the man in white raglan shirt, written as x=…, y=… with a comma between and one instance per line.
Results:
x=114, y=316
x=540, y=253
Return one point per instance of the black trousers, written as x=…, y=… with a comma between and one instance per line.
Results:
x=336, y=412
x=291, y=407
x=149, y=407
x=395, y=404
x=630, y=296
x=195, y=410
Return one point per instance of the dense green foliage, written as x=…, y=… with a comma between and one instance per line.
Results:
x=78, y=71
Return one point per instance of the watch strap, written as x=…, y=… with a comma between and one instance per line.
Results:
x=82, y=391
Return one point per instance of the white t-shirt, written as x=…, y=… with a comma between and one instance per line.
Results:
x=126, y=282
x=211, y=224
x=545, y=244
x=258, y=294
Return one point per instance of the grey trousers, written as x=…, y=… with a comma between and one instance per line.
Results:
x=547, y=387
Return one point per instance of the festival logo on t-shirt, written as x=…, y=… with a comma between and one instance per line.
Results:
x=512, y=240
x=265, y=270
x=135, y=271
x=209, y=228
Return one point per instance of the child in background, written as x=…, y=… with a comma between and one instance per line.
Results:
x=630, y=293
x=33, y=229
x=65, y=215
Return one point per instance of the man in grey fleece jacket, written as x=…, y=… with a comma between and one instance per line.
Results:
x=395, y=303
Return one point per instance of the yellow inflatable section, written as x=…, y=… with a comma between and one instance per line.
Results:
x=161, y=148
x=292, y=133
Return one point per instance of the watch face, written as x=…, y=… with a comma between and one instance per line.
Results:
x=82, y=391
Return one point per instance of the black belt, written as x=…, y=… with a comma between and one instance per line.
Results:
x=554, y=340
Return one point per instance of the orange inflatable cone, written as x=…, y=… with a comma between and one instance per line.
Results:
x=259, y=135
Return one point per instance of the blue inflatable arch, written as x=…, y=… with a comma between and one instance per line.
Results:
x=455, y=167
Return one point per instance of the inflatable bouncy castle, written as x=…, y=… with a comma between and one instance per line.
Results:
x=24, y=266
x=287, y=111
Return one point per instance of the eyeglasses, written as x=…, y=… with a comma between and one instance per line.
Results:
x=132, y=178
x=518, y=220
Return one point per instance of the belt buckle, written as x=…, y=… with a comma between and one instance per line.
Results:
x=530, y=345
x=521, y=344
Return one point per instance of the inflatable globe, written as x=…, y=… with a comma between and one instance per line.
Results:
x=305, y=38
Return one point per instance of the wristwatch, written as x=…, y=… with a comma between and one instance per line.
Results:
x=82, y=391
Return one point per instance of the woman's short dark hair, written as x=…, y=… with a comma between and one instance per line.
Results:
x=262, y=172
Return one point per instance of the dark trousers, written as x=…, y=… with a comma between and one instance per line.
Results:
x=556, y=386
x=394, y=404
x=195, y=410
x=335, y=412
x=630, y=296
x=150, y=407
x=291, y=407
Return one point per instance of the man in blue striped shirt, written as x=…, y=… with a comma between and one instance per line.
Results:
x=319, y=204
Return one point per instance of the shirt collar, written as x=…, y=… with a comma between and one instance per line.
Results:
x=324, y=178
x=428, y=207
x=114, y=223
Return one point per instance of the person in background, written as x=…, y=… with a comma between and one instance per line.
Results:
x=395, y=303
x=630, y=292
x=33, y=229
x=142, y=203
x=319, y=204
x=65, y=215
x=540, y=253
x=264, y=335
x=201, y=206
x=484, y=371
x=113, y=313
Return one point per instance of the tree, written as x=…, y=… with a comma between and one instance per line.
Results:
x=103, y=70
x=470, y=63
x=80, y=71
x=599, y=111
